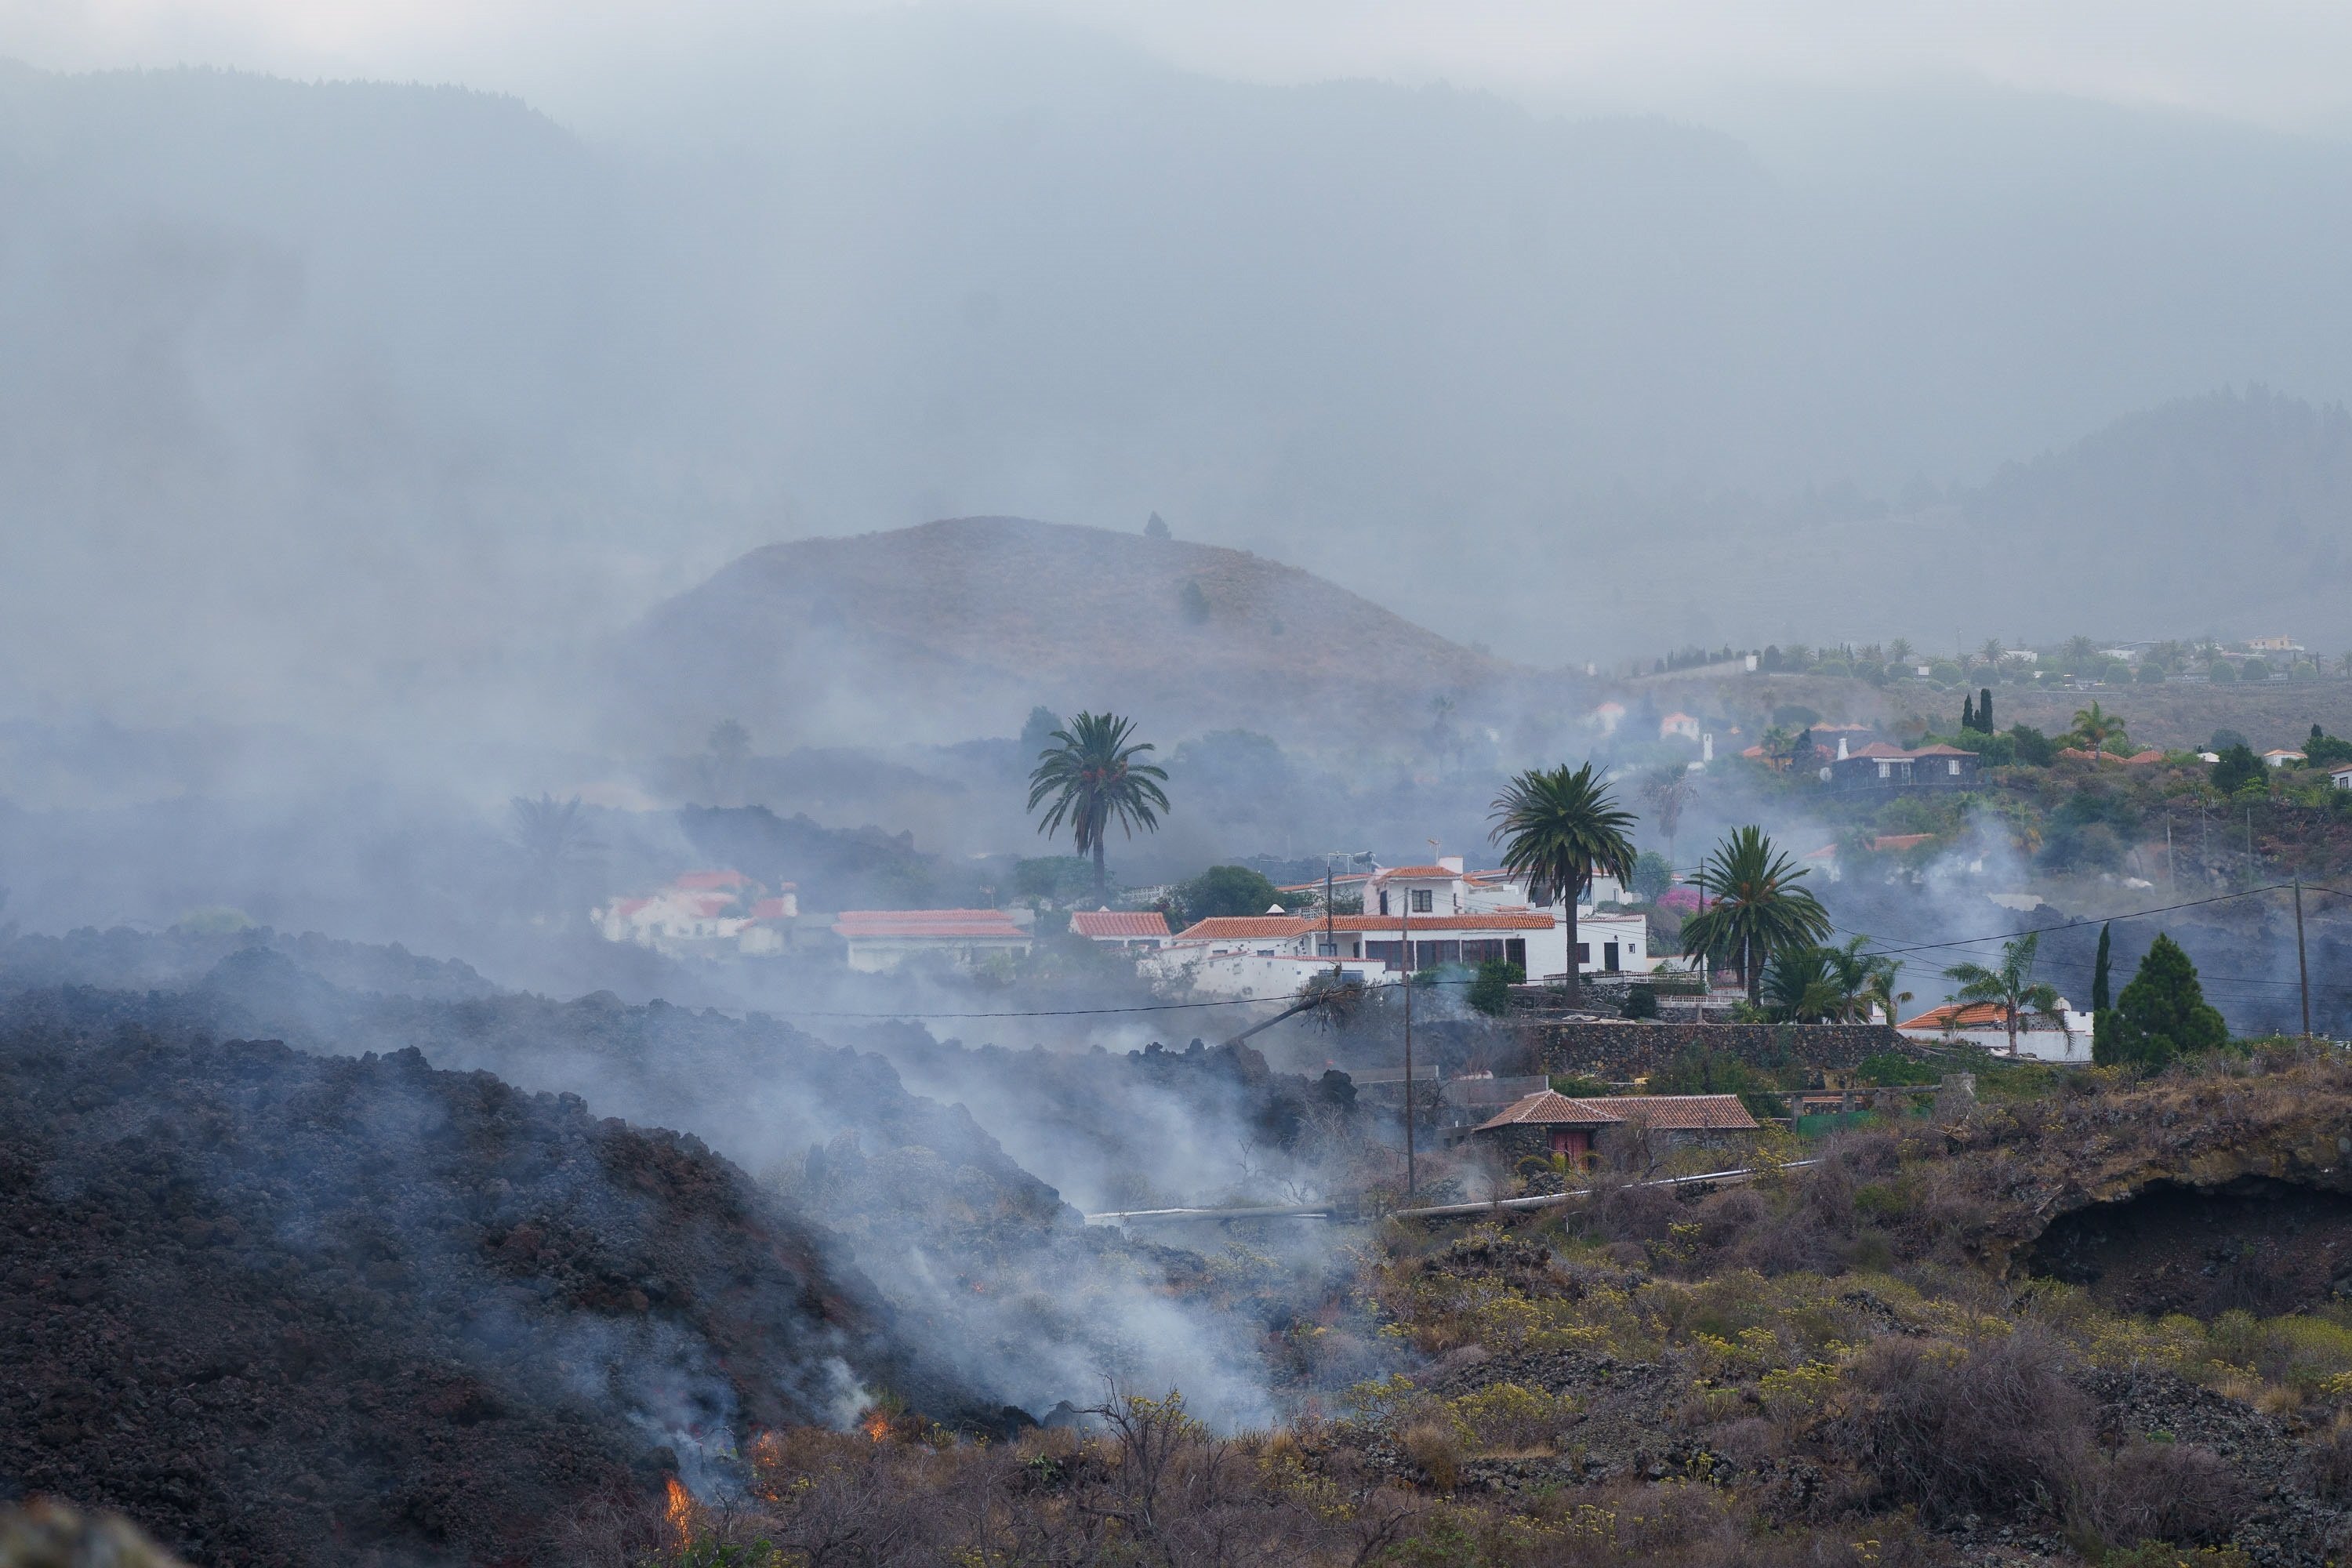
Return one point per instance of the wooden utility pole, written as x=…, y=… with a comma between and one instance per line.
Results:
x=1405, y=912
x=2302, y=965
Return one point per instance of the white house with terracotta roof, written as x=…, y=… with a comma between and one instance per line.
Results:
x=885, y=939
x=2341, y=777
x=1683, y=724
x=2280, y=757
x=705, y=913
x=2065, y=1038
x=1121, y=928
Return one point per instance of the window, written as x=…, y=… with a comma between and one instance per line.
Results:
x=1424, y=901
x=1583, y=953
x=1886, y=770
x=1952, y=764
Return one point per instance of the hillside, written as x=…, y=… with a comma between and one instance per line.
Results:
x=957, y=627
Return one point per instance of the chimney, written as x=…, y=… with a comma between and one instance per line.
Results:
x=1452, y=863
x=1841, y=748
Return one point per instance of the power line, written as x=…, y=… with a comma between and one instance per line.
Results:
x=2082, y=920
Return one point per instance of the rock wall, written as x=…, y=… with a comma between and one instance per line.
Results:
x=1622, y=1051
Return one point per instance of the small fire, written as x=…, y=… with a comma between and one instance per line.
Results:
x=877, y=1425
x=680, y=1514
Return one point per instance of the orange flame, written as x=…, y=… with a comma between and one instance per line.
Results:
x=680, y=1514
x=877, y=1425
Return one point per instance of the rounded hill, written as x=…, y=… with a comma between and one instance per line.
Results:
x=955, y=628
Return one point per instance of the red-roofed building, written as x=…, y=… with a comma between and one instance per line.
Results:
x=885, y=939
x=2065, y=1038
x=706, y=914
x=1121, y=928
x=1547, y=1123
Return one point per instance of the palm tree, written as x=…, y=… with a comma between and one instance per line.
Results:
x=1557, y=828
x=553, y=837
x=1091, y=775
x=1758, y=907
x=2095, y=729
x=1899, y=651
x=2012, y=987
x=1992, y=651
x=1665, y=790
x=1801, y=986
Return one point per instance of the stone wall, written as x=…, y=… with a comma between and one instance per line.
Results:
x=1619, y=1052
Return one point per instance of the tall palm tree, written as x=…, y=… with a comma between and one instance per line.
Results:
x=554, y=838
x=1666, y=790
x=1757, y=908
x=1091, y=775
x=1899, y=651
x=2012, y=987
x=2095, y=729
x=1557, y=826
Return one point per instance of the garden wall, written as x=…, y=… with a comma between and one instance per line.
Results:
x=1621, y=1052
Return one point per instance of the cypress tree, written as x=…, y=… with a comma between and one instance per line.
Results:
x=2101, y=999
x=1984, y=709
x=1968, y=713
x=2161, y=1015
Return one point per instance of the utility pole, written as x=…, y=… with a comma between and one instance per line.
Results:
x=1405, y=912
x=2302, y=965
x=1330, y=939
x=2171, y=869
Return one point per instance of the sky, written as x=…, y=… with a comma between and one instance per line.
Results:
x=2277, y=63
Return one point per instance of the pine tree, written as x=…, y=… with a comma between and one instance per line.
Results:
x=2161, y=1015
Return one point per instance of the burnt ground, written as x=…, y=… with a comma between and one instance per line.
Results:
x=283, y=1309
x=2258, y=1246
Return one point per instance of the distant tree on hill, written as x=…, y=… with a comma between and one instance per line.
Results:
x=1755, y=908
x=1653, y=875
x=1899, y=651
x=2254, y=669
x=1556, y=827
x=1037, y=732
x=1092, y=776
x=2324, y=750
x=2032, y=747
x=2010, y=987
x=1666, y=790
x=2224, y=739
x=730, y=748
x=2238, y=768
x=2102, y=995
x=1991, y=652
x=1968, y=712
x=2221, y=672
x=1154, y=528
x=2151, y=673
x=1195, y=601
x=1223, y=890
x=2161, y=1015
x=554, y=839
x=2095, y=729
x=1984, y=710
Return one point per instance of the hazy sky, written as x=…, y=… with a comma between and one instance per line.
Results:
x=2279, y=62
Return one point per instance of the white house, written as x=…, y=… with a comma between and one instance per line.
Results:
x=2341, y=777
x=705, y=913
x=1121, y=928
x=2279, y=757
x=884, y=939
x=2066, y=1038
x=1681, y=724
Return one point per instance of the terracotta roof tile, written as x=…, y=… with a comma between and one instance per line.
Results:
x=1497, y=920
x=1688, y=1112
x=1549, y=1107
x=926, y=922
x=1229, y=928
x=1120, y=923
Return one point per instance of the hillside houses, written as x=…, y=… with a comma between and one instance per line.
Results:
x=1448, y=915
x=705, y=913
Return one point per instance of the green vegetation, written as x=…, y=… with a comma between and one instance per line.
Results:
x=1490, y=993
x=1092, y=776
x=2010, y=987
x=2161, y=1015
x=1228, y=891
x=1557, y=828
x=1756, y=907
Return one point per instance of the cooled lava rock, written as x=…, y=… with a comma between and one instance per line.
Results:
x=280, y=1309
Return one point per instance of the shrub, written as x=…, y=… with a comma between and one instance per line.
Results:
x=1979, y=1429
x=1490, y=993
x=1642, y=1002
x=1436, y=1448
x=1508, y=1416
x=2160, y=1491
